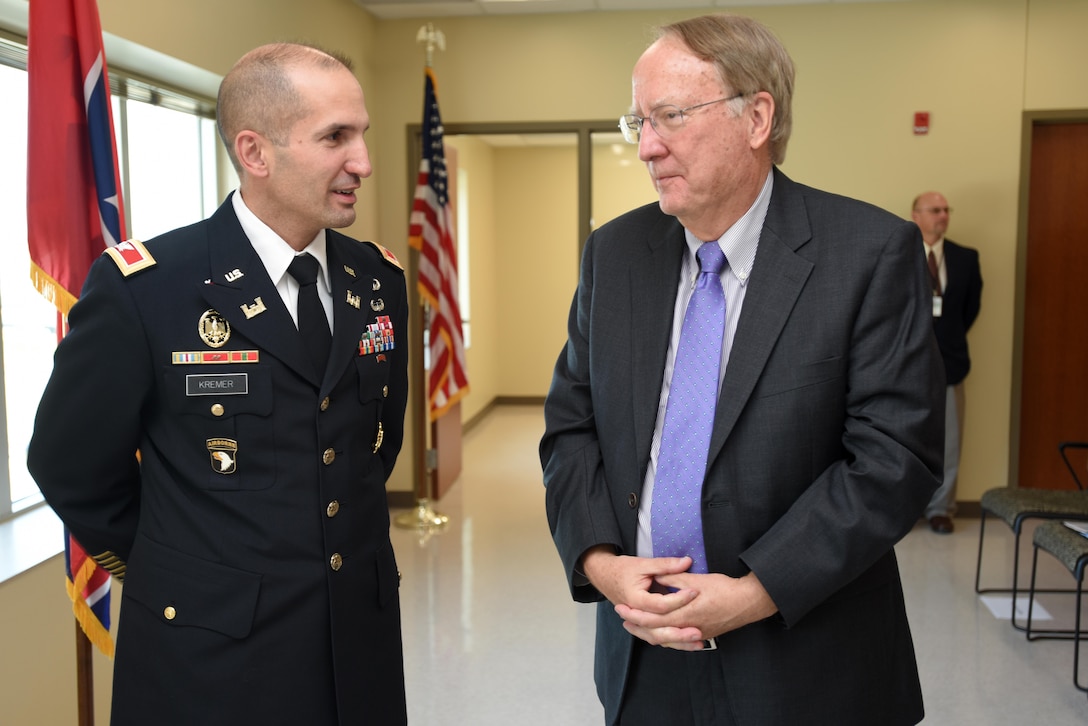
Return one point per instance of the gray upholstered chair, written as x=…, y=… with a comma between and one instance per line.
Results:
x=1015, y=506
x=1071, y=549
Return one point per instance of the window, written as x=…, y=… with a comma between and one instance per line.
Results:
x=167, y=152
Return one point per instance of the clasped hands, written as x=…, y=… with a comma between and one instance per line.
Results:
x=664, y=604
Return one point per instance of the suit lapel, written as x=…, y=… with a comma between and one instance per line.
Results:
x=356, y=300
x=239, y=289
x=778, y=276
x=953, y=265
x=654, y=279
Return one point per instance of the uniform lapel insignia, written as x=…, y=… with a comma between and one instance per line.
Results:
x=234, y=275
x=255, y=309
x=355, y=301
x=349, y=270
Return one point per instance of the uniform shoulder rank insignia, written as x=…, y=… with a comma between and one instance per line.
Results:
x=389, y=256
x=130, y=256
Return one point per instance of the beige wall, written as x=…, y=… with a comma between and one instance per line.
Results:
x=863, y=69
x=537, y=211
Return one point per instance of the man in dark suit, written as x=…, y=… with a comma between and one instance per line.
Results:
x=822, y=450
x=251, y=529
x=955, y=284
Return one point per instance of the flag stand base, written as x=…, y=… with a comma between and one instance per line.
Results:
x=422, y=517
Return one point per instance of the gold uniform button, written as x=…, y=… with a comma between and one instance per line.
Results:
x=328, y=457
x=169, y=612
x=385, y=391
x=325, y=403
x=333, y=508
x=217, y=409
x=336, y=562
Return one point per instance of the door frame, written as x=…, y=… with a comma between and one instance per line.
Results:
x=1030, y=120
x=583, y=131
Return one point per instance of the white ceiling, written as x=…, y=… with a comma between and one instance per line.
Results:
x=393, y=9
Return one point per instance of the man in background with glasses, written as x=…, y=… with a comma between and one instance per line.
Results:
x=955, y=284
x=746, y=416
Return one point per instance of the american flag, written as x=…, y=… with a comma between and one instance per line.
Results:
x=73, y=205
x=431, y=232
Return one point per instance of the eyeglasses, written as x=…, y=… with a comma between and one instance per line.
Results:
x=664, y=119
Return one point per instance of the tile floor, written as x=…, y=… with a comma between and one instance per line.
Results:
x=492, y=637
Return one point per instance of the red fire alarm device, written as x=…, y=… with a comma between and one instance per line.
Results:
x=921, y=123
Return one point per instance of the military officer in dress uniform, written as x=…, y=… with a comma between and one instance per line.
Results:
x=196, y=442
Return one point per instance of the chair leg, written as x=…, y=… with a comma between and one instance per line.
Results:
x=1031, y=593
x=1076, y=631
x=978, y=562
x=1016, y=578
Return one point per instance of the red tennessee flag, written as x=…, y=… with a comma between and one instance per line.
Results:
x=73, y=195
x=431, y=232
x=73, y=204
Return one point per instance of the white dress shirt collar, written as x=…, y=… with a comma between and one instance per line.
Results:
x=740, y=241
x=275, y=253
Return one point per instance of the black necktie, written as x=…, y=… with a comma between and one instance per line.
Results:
x=934, y=273
x=313, y=326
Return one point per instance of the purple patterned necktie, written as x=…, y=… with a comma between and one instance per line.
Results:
x=676, y=521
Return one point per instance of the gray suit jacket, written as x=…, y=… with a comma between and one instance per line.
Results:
x=826, y=447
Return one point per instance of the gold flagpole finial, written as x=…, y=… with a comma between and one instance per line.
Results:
x=434, y=38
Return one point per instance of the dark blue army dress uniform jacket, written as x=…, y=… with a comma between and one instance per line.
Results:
x=252, y=528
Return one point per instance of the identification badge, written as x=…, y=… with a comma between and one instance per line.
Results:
x=938, y=302
x=224, y=384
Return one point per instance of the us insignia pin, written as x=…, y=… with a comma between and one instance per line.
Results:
x=233, y=275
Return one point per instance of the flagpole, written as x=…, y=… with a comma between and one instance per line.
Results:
x=423, y=518
x=84, y=651
x=84, y=678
